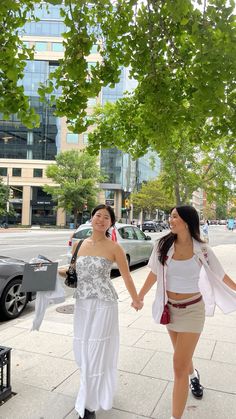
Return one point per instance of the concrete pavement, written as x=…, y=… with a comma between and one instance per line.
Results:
x=45, y=378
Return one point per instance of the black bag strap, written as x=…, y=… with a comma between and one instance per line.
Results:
x=73, y=259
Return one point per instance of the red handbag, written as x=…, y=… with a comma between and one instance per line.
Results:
x=165, y=317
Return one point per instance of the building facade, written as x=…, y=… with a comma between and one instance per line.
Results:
x=25, y=154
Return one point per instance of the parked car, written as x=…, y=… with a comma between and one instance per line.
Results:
x=12, y=300
x=151, y=226
x=163, y=224
x=137, y=245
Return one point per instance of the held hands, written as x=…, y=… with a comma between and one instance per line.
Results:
x=137, y=304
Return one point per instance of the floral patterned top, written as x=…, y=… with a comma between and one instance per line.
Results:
x=93, y=273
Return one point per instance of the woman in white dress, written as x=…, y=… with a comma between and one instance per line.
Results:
x=96, y=330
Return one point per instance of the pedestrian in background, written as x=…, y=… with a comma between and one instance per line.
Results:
x=191, y=281
x=96, y=330
x=205, y=231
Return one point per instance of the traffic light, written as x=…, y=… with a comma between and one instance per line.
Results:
x=127, y=203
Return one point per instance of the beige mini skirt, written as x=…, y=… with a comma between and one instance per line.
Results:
x=190, y=319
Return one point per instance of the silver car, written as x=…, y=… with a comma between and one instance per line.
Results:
x=137, y=245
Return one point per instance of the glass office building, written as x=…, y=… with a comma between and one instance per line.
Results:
x=25, y=153
x=125, y=175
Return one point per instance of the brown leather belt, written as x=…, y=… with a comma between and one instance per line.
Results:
x=188, y=303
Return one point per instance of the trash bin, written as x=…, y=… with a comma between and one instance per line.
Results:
x=71, y=225
x=5, y=372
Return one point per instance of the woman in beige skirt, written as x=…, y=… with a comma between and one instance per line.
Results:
x=190, y=282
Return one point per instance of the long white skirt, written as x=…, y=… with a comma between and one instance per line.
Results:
x=96, y=348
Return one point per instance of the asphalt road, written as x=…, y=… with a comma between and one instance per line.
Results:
x=54, y=244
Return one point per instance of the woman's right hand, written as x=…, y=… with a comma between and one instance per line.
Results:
x=137, y=304
x=62, y=271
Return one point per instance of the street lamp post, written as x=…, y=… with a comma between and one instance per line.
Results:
x=8, y=204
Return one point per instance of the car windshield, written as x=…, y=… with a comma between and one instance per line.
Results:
x=83, y=234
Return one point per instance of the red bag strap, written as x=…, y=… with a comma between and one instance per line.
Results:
x=164, y=288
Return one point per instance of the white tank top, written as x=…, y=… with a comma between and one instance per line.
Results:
x=183, y=276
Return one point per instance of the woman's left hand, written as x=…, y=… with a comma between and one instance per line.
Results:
x=137, y=305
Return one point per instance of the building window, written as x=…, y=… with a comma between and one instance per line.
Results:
x=38, y=172
x=3, y=171
x=57, y=47
x=94, y=49
x=16, y=172
x=91, y=64
x=92, y=101
x=41, y=46
x=72, y=138
x=85, y=138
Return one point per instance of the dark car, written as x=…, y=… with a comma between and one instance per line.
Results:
x=163, y=224
x=151, y=226
x=12, y=300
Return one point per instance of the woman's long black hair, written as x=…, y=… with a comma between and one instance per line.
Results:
x=111, y=212
x=191, y=218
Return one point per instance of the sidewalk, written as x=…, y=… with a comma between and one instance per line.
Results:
x=45, y=377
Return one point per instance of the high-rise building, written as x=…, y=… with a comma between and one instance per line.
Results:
x=26, y=153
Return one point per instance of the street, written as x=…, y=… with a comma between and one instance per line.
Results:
x=53, y=243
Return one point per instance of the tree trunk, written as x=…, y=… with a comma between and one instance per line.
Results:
x=75, y=217
x=177, y=194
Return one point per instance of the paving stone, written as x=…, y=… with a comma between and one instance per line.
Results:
x=133, y=359
x=41, y=371
x=138, y=394
x=35, y=403
x=225, y=352
x=42, y=343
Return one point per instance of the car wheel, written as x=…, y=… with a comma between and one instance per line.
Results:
x=128, y=260
x=12, y=301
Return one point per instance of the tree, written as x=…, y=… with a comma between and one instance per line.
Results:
x=183, y=57
x=3, y=198
x=76, y=175
x=232, y=209
x=186, y=166
x=13, y=56
x=152, y=196
x=6, y=209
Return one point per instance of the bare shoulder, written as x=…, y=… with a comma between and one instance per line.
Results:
x=117, y=249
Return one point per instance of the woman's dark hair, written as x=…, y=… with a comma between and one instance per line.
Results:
x=191, y=218
x=111, y=213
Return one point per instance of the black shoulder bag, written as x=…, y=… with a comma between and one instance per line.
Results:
x=71, y=275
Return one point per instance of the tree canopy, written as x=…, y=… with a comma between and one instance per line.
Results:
x=181, y=53
x=77, y=177
x=152, y=196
